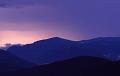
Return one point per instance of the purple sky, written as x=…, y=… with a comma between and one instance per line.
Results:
x=71, y=19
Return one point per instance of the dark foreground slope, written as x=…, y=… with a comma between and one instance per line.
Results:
x=9, y=62
x=80, y=66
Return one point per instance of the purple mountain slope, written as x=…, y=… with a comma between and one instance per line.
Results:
x=9, y=62
x=55, y=49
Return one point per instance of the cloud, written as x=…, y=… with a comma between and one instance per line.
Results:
x=24, y=3
x=78, y=16
x=19, y=3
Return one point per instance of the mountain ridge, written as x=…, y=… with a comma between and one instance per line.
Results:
x=50, y=50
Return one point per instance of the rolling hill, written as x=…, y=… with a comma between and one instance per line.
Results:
x=10, y=62
x=78, y=66
x=56, y=49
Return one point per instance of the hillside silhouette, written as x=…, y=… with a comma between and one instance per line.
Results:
x=56, y=49
x=79, y=66
x=10, y=62
x=61, y=57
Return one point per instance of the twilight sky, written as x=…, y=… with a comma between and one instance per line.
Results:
x=25, y=21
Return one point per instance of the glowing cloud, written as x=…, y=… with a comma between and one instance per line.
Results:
x=16, y=37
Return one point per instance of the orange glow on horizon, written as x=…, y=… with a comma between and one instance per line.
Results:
x=19, y=37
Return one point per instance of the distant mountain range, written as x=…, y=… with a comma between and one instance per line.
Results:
x=78, y=66
x=56, y=49
x=10, y=62
x=61, y=57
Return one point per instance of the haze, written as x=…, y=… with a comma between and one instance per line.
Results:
x=25, y=21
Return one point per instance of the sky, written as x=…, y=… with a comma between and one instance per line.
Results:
x=26, y=21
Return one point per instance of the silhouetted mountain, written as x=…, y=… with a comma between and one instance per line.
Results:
x=9, y=62
x=43, y=51
x=79, y=66
x=55, y=49
x=108, y=47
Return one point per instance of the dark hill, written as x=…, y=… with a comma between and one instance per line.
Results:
x=56, y=49
x=9, y=62
x=79, y=66
x=43, y=51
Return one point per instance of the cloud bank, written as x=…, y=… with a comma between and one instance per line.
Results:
x=86, y=18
